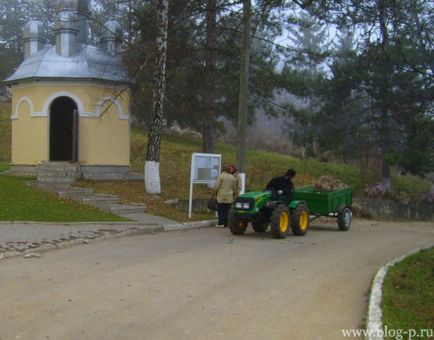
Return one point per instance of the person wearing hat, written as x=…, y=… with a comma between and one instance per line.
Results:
x=284, y=185
x=224, y=192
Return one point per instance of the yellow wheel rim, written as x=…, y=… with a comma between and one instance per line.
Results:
x=303, y=220
x=283, y=222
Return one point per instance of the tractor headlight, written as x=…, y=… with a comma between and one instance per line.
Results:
x=242, y=205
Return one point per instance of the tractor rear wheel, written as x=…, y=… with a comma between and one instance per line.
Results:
x=280, y=221
x=236, y=225
x=300, y=220
x=260, y=223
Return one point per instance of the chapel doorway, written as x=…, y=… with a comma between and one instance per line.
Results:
x=63, y=130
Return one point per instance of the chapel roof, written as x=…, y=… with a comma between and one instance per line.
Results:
x=71, y=57
x=90, y=63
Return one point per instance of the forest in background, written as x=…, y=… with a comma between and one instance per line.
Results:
x=350, y=80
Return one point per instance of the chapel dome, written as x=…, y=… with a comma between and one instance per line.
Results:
x=112, y=29
x=33, y=29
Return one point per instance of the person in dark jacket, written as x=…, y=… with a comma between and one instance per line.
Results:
x=283, y=184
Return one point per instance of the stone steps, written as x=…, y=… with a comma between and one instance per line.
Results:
x=119, y=209
x=74, y=192
x=50, y=186
x=95, y=199
x=105, y=202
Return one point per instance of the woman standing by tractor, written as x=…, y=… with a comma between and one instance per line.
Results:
x=224, y=190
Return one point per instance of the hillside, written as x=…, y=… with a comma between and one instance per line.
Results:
x=175, y=159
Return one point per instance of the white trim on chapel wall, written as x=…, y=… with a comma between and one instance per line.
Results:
x=80, y=107
x=17, y=106
x=111, y=100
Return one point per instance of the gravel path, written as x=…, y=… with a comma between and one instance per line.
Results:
x=203, y=284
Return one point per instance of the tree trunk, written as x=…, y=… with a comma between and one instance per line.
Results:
x=152, y=164
x=244, y=89
x=209, y=105
x=384, y=130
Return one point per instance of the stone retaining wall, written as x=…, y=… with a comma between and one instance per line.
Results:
x=378, y=209
x=385, y=210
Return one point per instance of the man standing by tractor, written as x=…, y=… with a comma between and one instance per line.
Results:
x=283, y=187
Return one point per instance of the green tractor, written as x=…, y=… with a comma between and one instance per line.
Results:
x=264, y=208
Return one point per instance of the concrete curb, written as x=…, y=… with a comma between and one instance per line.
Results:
x=374, y=323
x=190, y=225
x=72, y=223
x=152, y=229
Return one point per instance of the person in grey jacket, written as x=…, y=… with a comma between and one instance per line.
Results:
x=224, y=191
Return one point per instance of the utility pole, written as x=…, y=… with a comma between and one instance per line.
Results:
x=209, y=76
x=244, y=90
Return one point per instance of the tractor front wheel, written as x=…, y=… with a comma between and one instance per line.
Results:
x=236, y=225
x=280, y=221
x=300, y=220
x=260, y=223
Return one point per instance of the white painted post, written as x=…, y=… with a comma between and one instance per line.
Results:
x=190, y=200
x=243, y=182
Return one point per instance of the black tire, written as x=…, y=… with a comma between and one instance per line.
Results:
x=280, y=219
x=237, y=226
x=300, y=220
x=260, y=223
x=345, y=217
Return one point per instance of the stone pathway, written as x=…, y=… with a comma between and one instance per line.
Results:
x=23, y=238
x=19, y=238
x=31, y=238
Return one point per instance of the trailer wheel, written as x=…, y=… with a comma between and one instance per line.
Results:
x=300, y=220
x=344, y=218
x=236, y=225
x=280, y=221
x=260, y=223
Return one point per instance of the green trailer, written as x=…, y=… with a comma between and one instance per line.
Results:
x=335, y=204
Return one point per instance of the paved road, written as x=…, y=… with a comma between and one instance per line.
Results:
x=203, y=284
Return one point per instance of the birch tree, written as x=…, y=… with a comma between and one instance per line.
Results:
x=152, y=163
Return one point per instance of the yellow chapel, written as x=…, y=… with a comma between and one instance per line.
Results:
x=71, y=101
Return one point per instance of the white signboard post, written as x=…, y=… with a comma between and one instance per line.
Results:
x=205, y=168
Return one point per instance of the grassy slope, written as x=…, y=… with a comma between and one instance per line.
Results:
x=262, y=166
x=175, y=170
x=22, y=203
x=408, y=293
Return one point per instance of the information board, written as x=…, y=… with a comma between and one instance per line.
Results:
x=205, y=168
